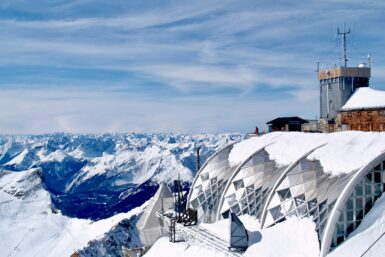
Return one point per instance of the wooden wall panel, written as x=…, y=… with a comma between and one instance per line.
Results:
x=364, y=120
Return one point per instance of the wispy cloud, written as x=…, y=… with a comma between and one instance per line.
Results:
x=223, y=65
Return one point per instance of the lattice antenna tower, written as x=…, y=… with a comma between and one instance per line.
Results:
x=343, y=37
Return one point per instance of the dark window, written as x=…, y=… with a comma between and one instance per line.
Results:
x=276, y=212
x=284, y=194
x=225, y=215
x=377, y=177
x=238, y=184
x=340, y=239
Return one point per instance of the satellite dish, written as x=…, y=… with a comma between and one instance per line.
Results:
x=362, y=65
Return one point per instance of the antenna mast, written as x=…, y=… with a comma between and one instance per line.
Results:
x=198, y=159
x=343, y=36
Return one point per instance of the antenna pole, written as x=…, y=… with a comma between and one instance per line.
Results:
x=317, y=70
x=343, y=36
x=198, y=159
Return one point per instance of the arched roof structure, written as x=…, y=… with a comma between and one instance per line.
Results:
x=304, y=190
x=354, y=202
x=332, y=178
x=249, y=185
x=208, y=184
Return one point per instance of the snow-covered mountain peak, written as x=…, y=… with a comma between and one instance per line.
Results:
x=23, y=193
x=96, y=176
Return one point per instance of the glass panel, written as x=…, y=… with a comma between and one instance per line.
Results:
x=314, y=212
x=359, y=215
x=250, y=189
x=340, y=239
x=340, y=228
x=276, y=212
x=235, y=209
x=349, y=227
x=238, y=184
x=284, y=194
x=302, y=210
x=377, y=189
x=368, y=178
x=299, y=199
x=205, y=176
x=288, y=206
x=342, y=218
x=231, y=199
x=322, y=206
x=377, y=177
x=368, y=189
x=194, y=203
x=201, y=198
x=349, y=215
x=322, y=215
x=368, y=204
x=225, y=215
x=311, y=204
x=359, y=189
x=349, y=204
x=358, y=204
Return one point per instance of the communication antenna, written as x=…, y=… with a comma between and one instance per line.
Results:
x=317, y=69
x=343, y=36
x=198, y=159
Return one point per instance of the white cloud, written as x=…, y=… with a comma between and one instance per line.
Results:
x=84, y=112
x=262, y=52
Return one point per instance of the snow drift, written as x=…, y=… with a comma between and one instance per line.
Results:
x=340, y=152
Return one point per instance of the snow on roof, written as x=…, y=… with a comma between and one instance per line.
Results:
x=365, y=97
x=340, y=152
x=367, y=239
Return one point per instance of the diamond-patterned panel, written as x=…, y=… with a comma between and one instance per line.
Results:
x=248, y=191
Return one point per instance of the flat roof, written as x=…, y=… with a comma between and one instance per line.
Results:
x=356, y=72
x=287, y=120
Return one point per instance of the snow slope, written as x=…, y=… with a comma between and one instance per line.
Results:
x=290, y=235
x=164, y=248
x=340, y=152
x=292, y=238
x=28, y=227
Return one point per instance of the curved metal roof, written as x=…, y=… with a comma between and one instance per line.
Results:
x=376, y=164
x=283, y=174
x=208, y=184
x=247, y=188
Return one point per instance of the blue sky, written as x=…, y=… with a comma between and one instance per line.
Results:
x=173, y=66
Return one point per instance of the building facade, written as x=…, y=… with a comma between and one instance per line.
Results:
x=337, y=86
x=272, y=190
x=364, y=111
x=363, y=120
x=286, y=124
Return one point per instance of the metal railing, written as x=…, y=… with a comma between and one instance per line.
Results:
x=199, y=236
